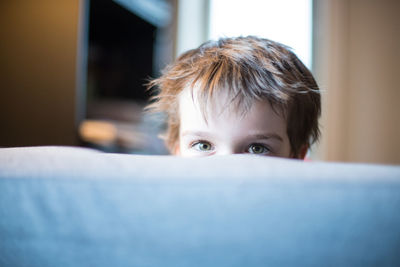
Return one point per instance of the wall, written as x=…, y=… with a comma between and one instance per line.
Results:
x=192, y=24
x=356, y=64
x=38, y=72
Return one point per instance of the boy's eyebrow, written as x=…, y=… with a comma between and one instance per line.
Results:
x=250, y=136
x=266, y=136
x=196, y=133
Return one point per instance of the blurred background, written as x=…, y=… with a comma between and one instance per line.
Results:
x=74, y=72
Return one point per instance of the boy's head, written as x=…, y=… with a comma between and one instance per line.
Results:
x=239, y=95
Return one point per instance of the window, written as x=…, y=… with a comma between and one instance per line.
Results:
x=285, y=21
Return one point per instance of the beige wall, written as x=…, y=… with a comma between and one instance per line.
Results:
x=38, y=67
x=357, y=59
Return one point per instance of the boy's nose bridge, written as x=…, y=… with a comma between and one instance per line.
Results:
x=228, y=150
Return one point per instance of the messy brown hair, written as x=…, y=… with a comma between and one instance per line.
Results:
x=248, y=68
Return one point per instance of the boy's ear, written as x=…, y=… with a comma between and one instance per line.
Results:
x=303, y=152
x=177, y=150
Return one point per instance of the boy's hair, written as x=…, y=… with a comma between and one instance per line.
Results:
x=248, y=69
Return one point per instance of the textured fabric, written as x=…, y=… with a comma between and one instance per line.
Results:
x=76, y=207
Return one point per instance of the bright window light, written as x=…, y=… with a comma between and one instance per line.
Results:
x=285, y=21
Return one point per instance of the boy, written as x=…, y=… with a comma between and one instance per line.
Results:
x=238, y=95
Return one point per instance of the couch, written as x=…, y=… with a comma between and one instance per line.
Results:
x=68, y=206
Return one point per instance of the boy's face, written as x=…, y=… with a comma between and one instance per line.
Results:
x=260, y=131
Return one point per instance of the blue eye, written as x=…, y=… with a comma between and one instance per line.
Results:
x=258, y=149
x=202, y=146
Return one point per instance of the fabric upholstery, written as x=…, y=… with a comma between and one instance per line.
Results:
x=64, y=206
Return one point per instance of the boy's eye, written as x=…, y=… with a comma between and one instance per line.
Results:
x=258, y=149
x=202, y=146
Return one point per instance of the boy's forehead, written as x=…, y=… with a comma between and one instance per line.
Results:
x=223, y=123
x=219, y=102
